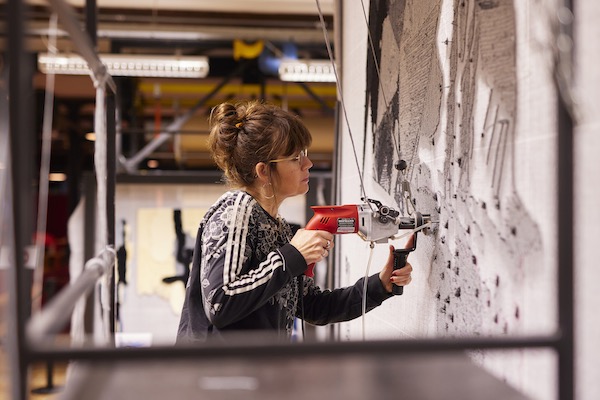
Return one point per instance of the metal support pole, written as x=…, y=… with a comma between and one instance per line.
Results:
x=89, y=240
x=111, y=176
x=22, y=147
x=91, y=21
x=81, y=40
x=563, y=75
x=565, y=255
x=75, y=159
x=565, y=177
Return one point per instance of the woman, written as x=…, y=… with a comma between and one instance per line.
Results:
x=247, y=271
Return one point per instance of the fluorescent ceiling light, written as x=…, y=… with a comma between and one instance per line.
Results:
x=128, y=65
x=306, y=71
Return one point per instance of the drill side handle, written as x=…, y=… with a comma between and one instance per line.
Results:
x=400, y=256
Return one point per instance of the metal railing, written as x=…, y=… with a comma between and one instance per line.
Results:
x=57, y=313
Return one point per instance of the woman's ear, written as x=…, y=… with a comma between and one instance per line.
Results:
x=262, y=171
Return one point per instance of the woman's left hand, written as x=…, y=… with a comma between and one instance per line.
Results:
x=400, y=277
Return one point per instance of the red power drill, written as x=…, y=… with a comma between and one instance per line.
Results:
x=372, y=221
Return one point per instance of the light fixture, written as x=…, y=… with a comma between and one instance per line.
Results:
x=306, y=71
x=57, y=177
x=153, y=164
x=90, y=136
x=163, y=66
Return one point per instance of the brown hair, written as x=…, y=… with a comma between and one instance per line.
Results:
x=244, y=134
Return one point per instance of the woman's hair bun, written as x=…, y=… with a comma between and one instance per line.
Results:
x=245, y=134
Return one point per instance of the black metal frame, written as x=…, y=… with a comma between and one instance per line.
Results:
x=20, y=176
x=565, y=346
x=21, y=142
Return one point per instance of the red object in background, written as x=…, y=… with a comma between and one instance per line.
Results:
x=56, y=252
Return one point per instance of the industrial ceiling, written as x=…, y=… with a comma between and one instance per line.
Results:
x=215, y=29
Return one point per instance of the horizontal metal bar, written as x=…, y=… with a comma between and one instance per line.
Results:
x=171, y=132
x=54, y=317
x=188, y=177
x=249, y=347
x=172, y=177
x=82, y=41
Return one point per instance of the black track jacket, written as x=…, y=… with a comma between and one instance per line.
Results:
x=246, y=276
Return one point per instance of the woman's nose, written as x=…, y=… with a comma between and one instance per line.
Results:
x=308, y=163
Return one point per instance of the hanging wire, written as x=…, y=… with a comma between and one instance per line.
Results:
x=341, y=96
x=364, y=297
x=406, y=194
x=378, y=71
x=46, y=151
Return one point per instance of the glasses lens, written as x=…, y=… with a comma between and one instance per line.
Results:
x=299, y=158
x=302, y=156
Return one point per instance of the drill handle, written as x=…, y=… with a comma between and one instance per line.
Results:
x=400, y=256
x=335, y=220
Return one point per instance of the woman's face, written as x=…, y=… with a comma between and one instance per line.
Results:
x=291, y=175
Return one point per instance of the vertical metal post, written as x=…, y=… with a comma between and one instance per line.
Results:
x=21, y=145
x=111, y=166
x=565, y=261
x=565, y=156
x=91, y=21
x=338, y=24
x=89, y=190
x=75, y=159
x=565, y=254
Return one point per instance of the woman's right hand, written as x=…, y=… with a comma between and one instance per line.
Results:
x=313, y=245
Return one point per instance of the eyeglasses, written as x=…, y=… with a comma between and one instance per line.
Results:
x=299, y=158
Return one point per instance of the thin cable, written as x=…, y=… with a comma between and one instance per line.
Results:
x=301, y=287
x=372, y=47
x=46, y=151
x=341, y=95
x=364, y=297
x=378, y=71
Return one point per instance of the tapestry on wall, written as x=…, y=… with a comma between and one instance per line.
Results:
x=165, y=243
x=448, y=105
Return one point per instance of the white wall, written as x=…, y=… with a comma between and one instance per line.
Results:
x=468, y=97
x=587, y=198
